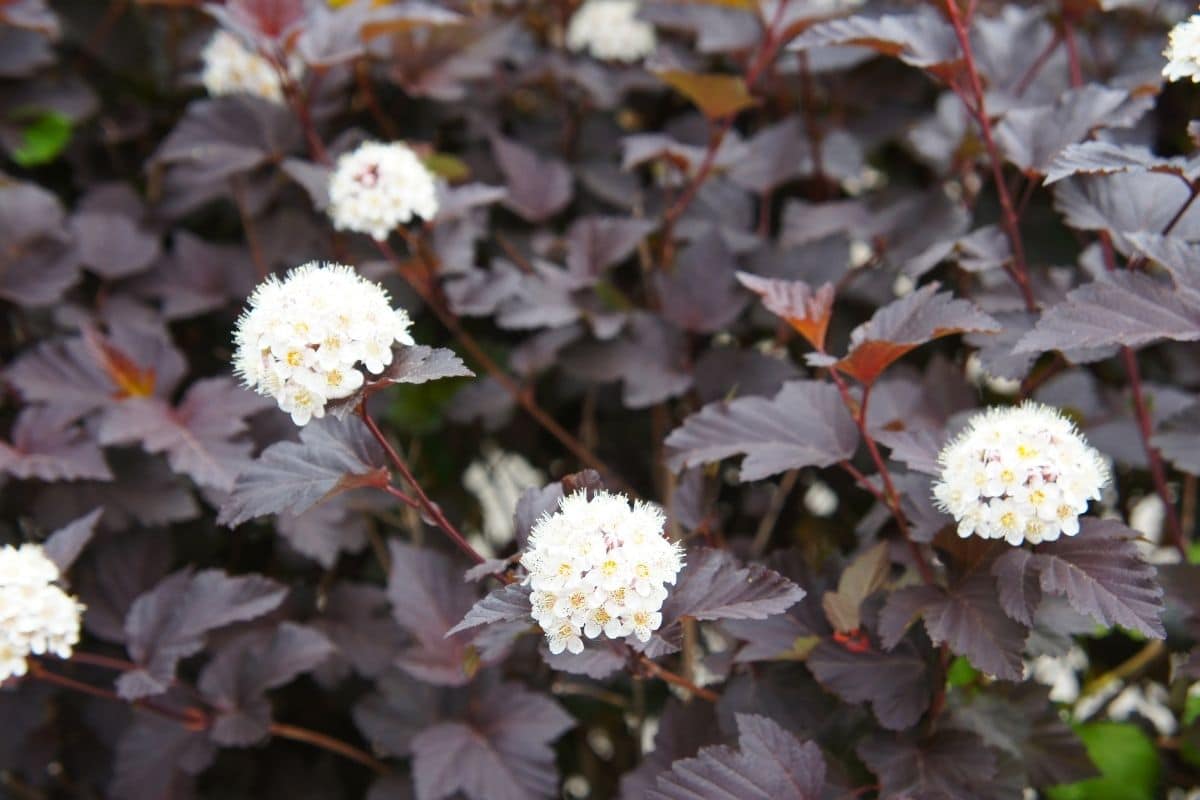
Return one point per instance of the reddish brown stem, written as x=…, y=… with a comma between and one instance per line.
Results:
x=1158, y=471
x=678, y=680
x=1036, y=67
x=401, y=496
x=105, y=662
x=978, y=109
x=864, y=482
x=523, y=398
x=238, y=187
x=298, y=734
x=427, y=506
x=859, y=412
x=195, y=719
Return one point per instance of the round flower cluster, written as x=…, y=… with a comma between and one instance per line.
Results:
x=1183, y=51
x=377, y=187
x=610, y=30
x=1019, y=474
x=36, y=616
x=598, y=566
x=231, y=68
x=301, y=340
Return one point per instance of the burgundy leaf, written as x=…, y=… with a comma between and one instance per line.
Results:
x=155, y=756
x=357, y=618
x=398, y=709
x=768, y=764
x=949, y=765
x=1127, y=203
x=922, y=39
x=907, y=323
x=971, y=621
x=325, y=530
x=113, y=245
x=1102, y=575
x=65, y=544
x=807, y=311
x=699, y=293
x=429, y=599
x=170, y=622
x=415, y=364
x=713, y=586
x=806, y=424
x=1179, y=440
x=598, y=661
x=39, y=260
x=683, y=729
x=1017, y=584
x=538, y=188
x=649, y=357
x=501, y=751
x=331, y=456
x=898, y=702
x=505, y=604
x=596, y=243
x=1108, y=158
x=237, y=678
x=197, y=436
x=48, y=446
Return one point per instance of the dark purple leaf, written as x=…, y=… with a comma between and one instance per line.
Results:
x=1020, y=720
x=768, y=764
x=683, y=729
x=725, y=371
x=1179, y=440
x=1032, y=137
x=806, y=424
x=713, y=586
x=331, y=456
x=357, y=618
x=1017, y=584
x=399, y=709
x=907, y=323
x=699, y=293
x=415, y=364
x=116, y=571
x=538, y=187
x=922, y=39
x=1125, y=308
x=48, y=446
x=113, y=245
x=505, y=604
x=949, y=765
x=154, y=757
x=237, y=678
x=597, y=661
x=649, y=358
x=500, y=752
x=898, y=702
x=143, y=490
x=781, y=152
x=325, y=530
x=1108, y=158
x=1127, y=203
x=596, y=243
x=170, y=622
x=197, y=436
x=39, y=261
x=428, y=599
x=1102, y=575
x=65, y=544
x=199, y=276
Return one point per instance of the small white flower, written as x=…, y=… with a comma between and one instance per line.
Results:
x=232, y=68
x=600, y=566
x=36, y=616
x=497, y=479
x=1183, y=51
x=1021, y=474
x=611, y=31
x=300, y=342
x=820, y=499
x=378, y=187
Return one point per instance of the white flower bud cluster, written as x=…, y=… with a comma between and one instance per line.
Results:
x=1183, y=51
x=596, y=567
x=232, y=68
x=1019, y=474
x=611, y=31
x=377, y=187
x=301, y=340
x=36, y=616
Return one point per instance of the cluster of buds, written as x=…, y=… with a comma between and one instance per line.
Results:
x=599, y=567
x=232, y=68
x=301, y=340
x=378, y=187
x=36, y=616
x=610, y=30
x=1019, y=474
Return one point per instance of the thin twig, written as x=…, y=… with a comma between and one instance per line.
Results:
x=778, y=500
x=978, y=109
x=1127, y=668
x=298, y=734
x=238, y=187
x=430, y=508
x=676, y=680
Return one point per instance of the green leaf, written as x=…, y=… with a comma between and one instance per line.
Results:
x=44, y=137
x=1126, y=758
x=961, y=673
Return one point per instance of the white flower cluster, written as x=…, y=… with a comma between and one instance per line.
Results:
x=610, y=30
x=231, y=68
x=1019, y=474
x=377, y=187
x=598, y=566
x=300, y=340
x=1183, y=51
x=36, y=616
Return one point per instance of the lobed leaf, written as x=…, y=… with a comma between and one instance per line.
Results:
x=805, y=424
x=807, y=311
